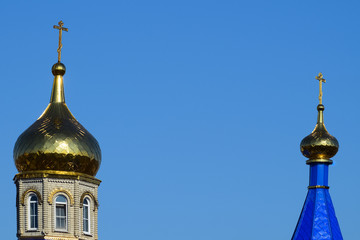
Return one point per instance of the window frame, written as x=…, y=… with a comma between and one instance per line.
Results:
x=88, y=207
x=29, y=218
x=65, y=204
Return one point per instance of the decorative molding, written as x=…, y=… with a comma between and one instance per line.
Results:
x=30, y=190
x=61, y=181
x=318, y=186
x=58, y=175
x=57, y=190
x=33, y=181
x=310, y=161
x=59, y=238
x=87, y=193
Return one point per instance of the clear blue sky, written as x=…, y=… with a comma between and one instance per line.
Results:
x=199, y=108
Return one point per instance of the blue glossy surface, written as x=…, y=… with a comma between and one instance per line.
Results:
x=319, y=174
x=317, y=219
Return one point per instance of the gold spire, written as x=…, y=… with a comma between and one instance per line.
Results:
x=319, y=146
x=57, y=94
x=60, y=28
x=58, y=70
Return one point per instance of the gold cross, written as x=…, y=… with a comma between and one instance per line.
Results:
x=60, y=28
x=321, y=80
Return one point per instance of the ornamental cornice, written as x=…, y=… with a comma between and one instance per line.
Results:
x=87, y=193
x=62, y=190
x=30, y=190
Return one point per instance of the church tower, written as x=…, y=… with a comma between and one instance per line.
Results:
x=317, y=219
x=57, y=160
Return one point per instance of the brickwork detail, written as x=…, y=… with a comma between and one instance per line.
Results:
x=47, y=189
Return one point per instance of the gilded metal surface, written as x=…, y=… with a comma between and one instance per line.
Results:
x=60, y=28
x=57, y=141
x=62, y=190
x=58, y=69
x=310, y=161
x=57, y=93
x=319, y=146
x=321, y=80
x=318, y=186
x=30, y=190
x=57, y=174
x=87, y=193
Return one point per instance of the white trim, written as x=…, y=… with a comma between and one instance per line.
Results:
x=29, y=228
x=66, y=213
x=88, y=206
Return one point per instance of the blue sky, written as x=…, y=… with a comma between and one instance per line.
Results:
x=199, y=108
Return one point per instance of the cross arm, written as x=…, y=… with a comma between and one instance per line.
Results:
x=61, y=28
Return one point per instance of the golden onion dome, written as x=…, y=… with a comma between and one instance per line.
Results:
x=56, y=140
x=319, y=144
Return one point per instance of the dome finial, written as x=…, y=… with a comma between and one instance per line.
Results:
x=321, y=80
x=60, y=28
x=319, y=146
x=58, y=70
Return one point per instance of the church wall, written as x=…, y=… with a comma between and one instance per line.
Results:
x=48, y=189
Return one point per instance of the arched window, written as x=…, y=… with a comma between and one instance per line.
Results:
x=33, y=212
x=61, y=213
x=86, y=216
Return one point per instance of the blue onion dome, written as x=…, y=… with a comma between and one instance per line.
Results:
x=56, y=141
x=319, y=146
